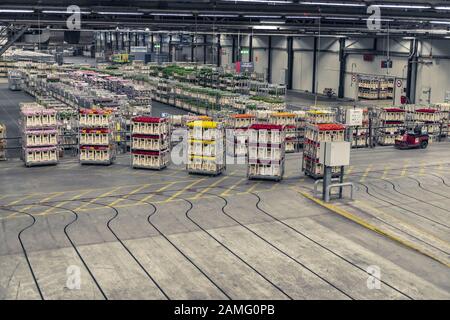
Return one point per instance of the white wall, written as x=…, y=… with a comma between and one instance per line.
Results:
x=279, y=58
x=434, y=72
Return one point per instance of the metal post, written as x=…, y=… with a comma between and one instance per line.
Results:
x=327, y=175
x=341, y=180
x=219, y=49
x=192, y=48
x=290, y=62
x=342, y=67
x=250, y=48
x=233, y=49
x=204, y=49
x=269, y=60
x=314, y=66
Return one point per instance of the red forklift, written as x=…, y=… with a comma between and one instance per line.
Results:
x=413, y=139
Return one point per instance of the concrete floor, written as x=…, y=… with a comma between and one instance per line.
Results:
x=137, y=234
x=222, y=237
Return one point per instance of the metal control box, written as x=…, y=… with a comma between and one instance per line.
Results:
x=354, y=117
x=334, y=154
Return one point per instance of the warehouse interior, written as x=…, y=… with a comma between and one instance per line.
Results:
x=224, y=150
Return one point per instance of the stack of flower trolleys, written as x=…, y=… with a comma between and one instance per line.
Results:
x=266, y=152
x=96, y=136
x=39, y=135
x=150, y=148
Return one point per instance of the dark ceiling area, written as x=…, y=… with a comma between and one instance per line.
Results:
x=416, y=18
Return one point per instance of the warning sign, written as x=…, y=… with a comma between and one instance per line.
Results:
x=399, y=83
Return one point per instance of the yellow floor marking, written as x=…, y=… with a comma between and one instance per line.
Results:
x=63, y=203
x=131, y=193
x=183, y=190
x=350, y=170
x=251, y=188
x=41, y=201
x=21, y=199
x=128, y=205
x=422, y=168
x=159, y=190
x=27, y=196
x=369, y=226
x=385, y=172
x=405, y=168
x=226, y=192
x=99, y=197
x=366, y=173
x=369, y=207
x=209, y=188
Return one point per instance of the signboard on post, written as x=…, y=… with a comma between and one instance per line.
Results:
x=354, y=117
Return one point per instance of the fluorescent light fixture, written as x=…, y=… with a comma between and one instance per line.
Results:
x=257, y=16
x=341, y=18
x=447, y=37
x=440, y=22
x=403, y=6
x=409, y=38
x=382, y=20
x=121, y=13
x=168, y=14
x=263, y=1
x=302, y=17
x=15, y=11
x=272, y=21
x=442, y=8
x=63, y=12
x=225, y=15
x=334, y=4
x=265, y=27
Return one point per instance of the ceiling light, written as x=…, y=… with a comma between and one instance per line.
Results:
x=266, y=27
x=302, y=17
x=335, y=4
x=15, y=11
x=256, y=16
x=383, y=20
x=263, y=1
x=403, y=6
x=440, y=22
x=121, y=13
x=272, y=21
x=218, y=15
x=63, y=12
x=341, y=18
x=168, y=14
x=442, y=8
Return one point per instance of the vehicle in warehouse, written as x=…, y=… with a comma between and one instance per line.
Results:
x=413, y=139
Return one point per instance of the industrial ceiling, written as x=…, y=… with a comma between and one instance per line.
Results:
x=415, y=18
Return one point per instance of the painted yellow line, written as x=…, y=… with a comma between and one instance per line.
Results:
x=350, y=170
x=41, y=201
x=131, y=193
x=366, y=173
x=405, y=168
x=371, y=227
x=128, y=205
x=159, y=190
x=22, y=199
x=99, y=197
x=367, y=206
x=385, y=172
x=209, y=188
x=184, y=190
x=83, y=190
x=60, y=204
x=251, y=188
x=226, y=192
x=422, y=168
